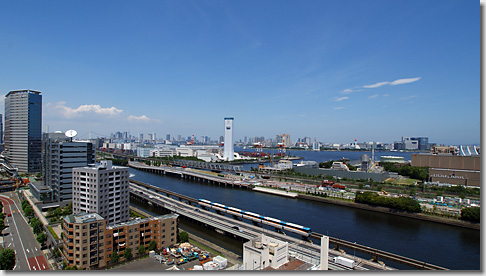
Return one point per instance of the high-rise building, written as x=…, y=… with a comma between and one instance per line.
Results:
x=1, y=129
x=59, y=156
x=102, y=189
x=23, y=136
x=167, y=137
x=229, y=153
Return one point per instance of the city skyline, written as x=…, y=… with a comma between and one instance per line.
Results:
x=371, y=71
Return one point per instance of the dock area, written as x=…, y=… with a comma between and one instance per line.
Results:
x=276, y=192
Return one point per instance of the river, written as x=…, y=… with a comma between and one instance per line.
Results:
x=448, y=246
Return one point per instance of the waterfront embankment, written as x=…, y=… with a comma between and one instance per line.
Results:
x=275, y=192
x=385, y=210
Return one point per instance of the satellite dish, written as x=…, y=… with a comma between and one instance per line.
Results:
x=71, y=133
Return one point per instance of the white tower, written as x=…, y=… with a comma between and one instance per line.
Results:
x=229, y=151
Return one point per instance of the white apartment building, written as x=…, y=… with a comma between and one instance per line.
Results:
x=102, y=189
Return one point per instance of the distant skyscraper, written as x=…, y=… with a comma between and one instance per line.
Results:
x=154, y=136
x=141, y=136
x=23, y=123
x=167, y=137
x=228, y=140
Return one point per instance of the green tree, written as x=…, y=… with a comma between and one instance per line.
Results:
x=141, y=250
x=42, y=238
x=360, y=185
x=114, y=257
x=71, y=267
x=68, y=209
x=58, y=212
x=472, y=214
x=152, y=245
x=183, y=237
x=29, y=212
x=2, y=225
x=25, y=203
x=127, y=253
x=7, y=259
x=36, y=225
x=2, y=215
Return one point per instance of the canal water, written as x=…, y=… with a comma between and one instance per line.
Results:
x=447, y=246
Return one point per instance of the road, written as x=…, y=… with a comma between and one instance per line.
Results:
x=19, y=237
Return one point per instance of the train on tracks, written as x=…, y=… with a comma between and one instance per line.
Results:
x=278, y=224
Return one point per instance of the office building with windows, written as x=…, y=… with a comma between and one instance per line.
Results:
x=59, y=156
x=23, y=136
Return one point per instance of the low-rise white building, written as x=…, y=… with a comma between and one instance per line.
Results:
x=162, y=152
x=143, y=152
x=264, y=251
x=339, y=166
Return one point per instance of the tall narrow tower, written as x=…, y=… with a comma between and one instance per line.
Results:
x=229, y=151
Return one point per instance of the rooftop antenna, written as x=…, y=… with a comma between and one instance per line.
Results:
x=71, y=133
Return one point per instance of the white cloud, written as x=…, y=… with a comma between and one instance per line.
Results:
x=340, y=99
x=386, y=95
x=349, y=90
x=373, y=96
x=408, y=97
x=140, y=119
x=378, y=84
x=69, y=112
x=395, y=82
x=339, y=107
x=403, y=81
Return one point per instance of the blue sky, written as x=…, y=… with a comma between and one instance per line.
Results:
x=335, y=70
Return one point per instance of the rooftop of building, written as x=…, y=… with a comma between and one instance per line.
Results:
x=39, y=186
x=138, y=220
x=104, y=165
x=83, y=217
x=294, y=264
x=23, y=91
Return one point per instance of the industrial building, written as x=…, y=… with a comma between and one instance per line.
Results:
x=447, y=169
x=89, y=242
x=264, y=251
x=392, y=159
x=23, y=123
x=102, y=189
x=59, y=156
x=267, y=253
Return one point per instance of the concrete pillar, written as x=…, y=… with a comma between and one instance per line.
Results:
x=324, y=253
